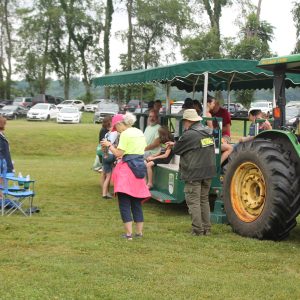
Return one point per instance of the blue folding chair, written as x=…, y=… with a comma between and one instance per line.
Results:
x=14, y=197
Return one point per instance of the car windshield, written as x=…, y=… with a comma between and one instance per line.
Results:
x=9, y=107
x=292, y=111
x=69, y=110
x=109, y=107
x=260, y=104
x=96, y=102
x=68, y=102
x=41, y=106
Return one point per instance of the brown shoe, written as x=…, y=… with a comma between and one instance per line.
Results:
x=194, y=233
x=207, y=232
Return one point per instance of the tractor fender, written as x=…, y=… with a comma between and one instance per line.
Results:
x=285, y=138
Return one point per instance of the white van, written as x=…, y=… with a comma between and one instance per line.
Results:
x=265, y=106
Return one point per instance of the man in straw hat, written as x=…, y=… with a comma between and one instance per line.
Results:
x=197, y=167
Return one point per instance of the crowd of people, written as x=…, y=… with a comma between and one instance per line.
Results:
x=129, y=155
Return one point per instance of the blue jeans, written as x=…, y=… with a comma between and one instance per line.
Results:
x=130, y=207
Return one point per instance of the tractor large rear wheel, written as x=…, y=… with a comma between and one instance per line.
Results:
x=261, y=190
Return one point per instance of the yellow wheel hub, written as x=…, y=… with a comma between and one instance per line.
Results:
x=248, y=192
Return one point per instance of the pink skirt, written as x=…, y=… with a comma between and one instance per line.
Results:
x=126, y=182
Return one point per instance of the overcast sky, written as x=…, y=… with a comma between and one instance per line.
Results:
x=276, y=12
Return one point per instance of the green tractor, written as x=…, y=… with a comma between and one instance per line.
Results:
x=261, y=189
x=259, y=192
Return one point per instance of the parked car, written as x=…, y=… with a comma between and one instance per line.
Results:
x=77, y=103
x=265, y=106
x=4, y=102
x=292, y=115
x=176, y=107
x=237, y=110
x=92, y=107
x=69, y=114
x=105, y=109
x=132, y=105
x=141, y=110
x=42, y=98
x=13, y=111
x=42, y=111
x=23, y=101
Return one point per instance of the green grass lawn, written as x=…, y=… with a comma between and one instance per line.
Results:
x=72, y=249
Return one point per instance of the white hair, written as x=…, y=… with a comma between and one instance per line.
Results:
x=129, y=119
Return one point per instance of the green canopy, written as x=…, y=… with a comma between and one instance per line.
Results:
x=240, y=74
x=289, y=63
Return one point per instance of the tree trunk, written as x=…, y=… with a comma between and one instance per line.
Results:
x=2, y=84
x=129, y=38
x=68, y=71
x=129, y=6
x=108, y=19
x=258, y=10
x=8, y=51
x=45, y=62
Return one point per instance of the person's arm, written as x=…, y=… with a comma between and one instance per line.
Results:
x=153, y=145
x=209, y=122
x=165, y=155
x=115, y=151
x=226, y=122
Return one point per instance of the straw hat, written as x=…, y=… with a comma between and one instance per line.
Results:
x=191, y=115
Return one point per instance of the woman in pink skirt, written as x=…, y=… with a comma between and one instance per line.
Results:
x=129, y=174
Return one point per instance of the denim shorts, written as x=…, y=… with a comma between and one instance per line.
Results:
x=108, y=162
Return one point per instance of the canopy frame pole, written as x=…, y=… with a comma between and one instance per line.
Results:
x=142, y=96
x=228, y=92
x=205, y=93
x=274, y=97
x=194, y=87
x=168, y=108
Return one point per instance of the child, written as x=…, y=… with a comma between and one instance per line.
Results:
x=108, y=160
x=163, y=157
x=256, y=114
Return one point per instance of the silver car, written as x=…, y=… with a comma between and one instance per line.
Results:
x=105, y=109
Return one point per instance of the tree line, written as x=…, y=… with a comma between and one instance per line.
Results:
x=70, y=38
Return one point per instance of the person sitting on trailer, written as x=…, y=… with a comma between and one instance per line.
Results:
x=157, y=105
x=221, y=112
x=188, y=104
x=215, y=110
x=256, y=114
x=198, y=106
x=151, y=134
x=164, y=156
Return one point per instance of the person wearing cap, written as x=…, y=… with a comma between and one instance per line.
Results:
x=197, y=168
x=129, y=174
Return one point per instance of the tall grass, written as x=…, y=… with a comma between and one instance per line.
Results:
x=72, y=249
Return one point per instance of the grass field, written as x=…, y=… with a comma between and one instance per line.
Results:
x=72, y=249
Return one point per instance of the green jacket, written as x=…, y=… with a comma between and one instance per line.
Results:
x=197, y=153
